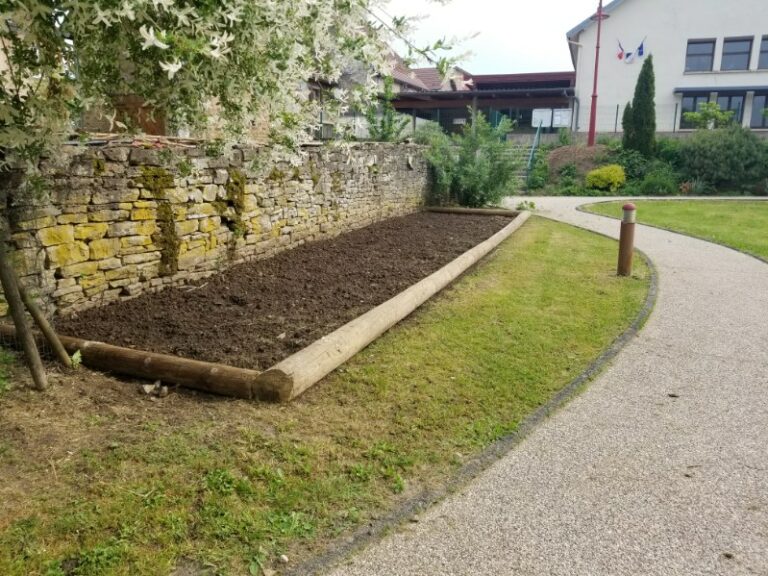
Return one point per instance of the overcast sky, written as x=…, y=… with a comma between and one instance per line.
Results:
x=514, y=35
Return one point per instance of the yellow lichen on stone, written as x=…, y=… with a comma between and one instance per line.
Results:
x=143, y=214
x=186, y=227
x=56, y=235
x=82, y=269
x=36, y=223
x=133, y=241
x=68, y=254
x=93, y=280
x=93, y=231
x=102, y=249
x=209, y=224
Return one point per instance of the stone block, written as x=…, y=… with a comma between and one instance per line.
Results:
x=145, y=204
x=81, y=269
x=141, y=258
x=55, y=235
x=203, y=210
x=143, y=214
x=66, y=291
x=192, y=258
x=116, y=154
x=67, y=254
x=109, y=264
x=177, y=195
x=134, y=241
x=24, y=240
x=144, y=157
x=103, y=249
x=212, y=192
x=209, y=224
x=95, y=290
x=98, y=279
x=69, y=195
x=28, y=261
x=121, y=273
x=106, y=196
x=80, y=218
x=94, y=231
x=97, y=215
x=141, y=228
x=186, y=227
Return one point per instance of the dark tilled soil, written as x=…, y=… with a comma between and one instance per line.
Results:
x=256, y=314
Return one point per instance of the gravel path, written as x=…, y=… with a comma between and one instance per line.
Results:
x=659, y=468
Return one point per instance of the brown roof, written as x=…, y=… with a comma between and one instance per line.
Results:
x=526, y=78
x=434, y=81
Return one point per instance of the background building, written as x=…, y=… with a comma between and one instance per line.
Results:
x=702, y=51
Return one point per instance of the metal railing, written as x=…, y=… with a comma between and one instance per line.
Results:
x=532, y=155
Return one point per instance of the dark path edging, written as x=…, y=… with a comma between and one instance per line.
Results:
x=581, y=208
x=345, y=547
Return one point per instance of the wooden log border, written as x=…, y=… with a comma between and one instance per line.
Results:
x=291, y=377
x=294, y=375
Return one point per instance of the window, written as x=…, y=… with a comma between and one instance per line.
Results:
x=759, y=107
x=736, y=54
x=700, y=56
x=762, y=64
x=691, y=103
x=733, y=102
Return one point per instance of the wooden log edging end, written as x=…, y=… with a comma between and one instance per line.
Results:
x=203, y=376
x=293, y=376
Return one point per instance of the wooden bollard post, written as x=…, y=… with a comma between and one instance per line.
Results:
x=627, y=240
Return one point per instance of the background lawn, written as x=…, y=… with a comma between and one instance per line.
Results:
x=735, y=223
x=99, y=479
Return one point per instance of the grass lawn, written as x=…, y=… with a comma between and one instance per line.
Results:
x=738, y=224
x=100, y=480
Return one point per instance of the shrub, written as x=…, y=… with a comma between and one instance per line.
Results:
x=670, y=151
x=385, y=124
x=610, y=177
x=695, y=187
x=473, y=168
x=635, y=164
x=539, y=174
x=726, y=157
x=661, y=180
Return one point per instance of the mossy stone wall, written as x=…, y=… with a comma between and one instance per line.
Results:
x=121, y=221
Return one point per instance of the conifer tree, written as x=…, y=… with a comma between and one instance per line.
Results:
x=642, y=135
x=627, y=125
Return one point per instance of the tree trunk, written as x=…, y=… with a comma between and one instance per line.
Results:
x=45, y=327
x=16, y=307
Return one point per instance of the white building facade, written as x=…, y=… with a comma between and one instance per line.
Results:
x=702, y=51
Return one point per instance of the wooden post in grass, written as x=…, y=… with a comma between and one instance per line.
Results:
x=627, y=240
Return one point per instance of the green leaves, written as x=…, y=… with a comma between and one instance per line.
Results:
x=474, y=168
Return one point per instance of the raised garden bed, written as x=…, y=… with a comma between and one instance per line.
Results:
x=309, y=309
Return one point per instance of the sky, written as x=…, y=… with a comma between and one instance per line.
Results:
x=514, y=36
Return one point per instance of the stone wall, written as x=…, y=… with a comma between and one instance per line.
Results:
x=122, y=221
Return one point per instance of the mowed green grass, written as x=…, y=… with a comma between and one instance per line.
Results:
x=230, y=485
x=735, y=223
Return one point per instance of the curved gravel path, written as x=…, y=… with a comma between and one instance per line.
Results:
x=659, y=468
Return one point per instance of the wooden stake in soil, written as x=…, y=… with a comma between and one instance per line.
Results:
x=16, y=308
x=45, y=327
